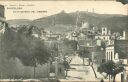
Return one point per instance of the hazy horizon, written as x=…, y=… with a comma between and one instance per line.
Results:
x=67, y=13
x=47, y=8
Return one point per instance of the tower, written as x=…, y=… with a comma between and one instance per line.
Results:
x=104, y=31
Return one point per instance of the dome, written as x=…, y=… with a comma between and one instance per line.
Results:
x=85, y=25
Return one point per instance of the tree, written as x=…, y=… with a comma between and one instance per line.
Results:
x=21, y=44
x=71, y=44
x=111, y=68
x=84, y=53
x=66, y=65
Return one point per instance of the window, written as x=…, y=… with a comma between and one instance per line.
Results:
x=104, y=29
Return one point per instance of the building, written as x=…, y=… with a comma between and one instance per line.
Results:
x=85, y=25
x=110, y=54
x=121, y=47
x=105, y=35
x=117, y=51
x=72, y=36
x=124, y=35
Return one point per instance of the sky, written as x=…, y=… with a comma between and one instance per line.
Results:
x=37, y=9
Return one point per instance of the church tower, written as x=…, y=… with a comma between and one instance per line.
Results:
x=104, y=31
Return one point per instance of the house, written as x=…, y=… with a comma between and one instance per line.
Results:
x=105, y=35
x=48, y=35
x=72, y=36
x=124, y=36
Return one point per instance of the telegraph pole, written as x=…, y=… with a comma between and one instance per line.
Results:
x=77, y=18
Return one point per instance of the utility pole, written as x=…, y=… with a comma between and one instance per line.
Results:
x=34, y=68
x=77, y=18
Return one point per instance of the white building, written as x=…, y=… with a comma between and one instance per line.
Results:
x=106, y=36
x=110, y=53
x=72, y=36
x=85, y=25
x=124, y=36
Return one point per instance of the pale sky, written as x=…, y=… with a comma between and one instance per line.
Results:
x=53, y=7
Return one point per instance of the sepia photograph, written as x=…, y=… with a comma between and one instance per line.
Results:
x=63, y=41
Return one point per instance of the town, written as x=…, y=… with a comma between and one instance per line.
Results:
x=83, y=53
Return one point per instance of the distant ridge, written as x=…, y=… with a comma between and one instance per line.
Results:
x=19, y=21
x=63, y=22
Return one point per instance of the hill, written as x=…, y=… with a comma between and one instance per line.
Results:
x=117, y=24
x=64, y=22
x=19, y=21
